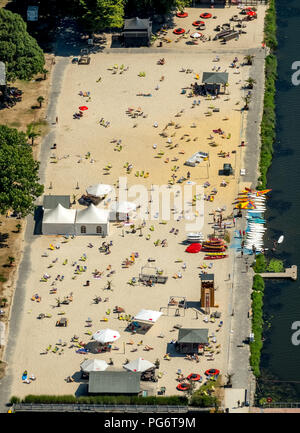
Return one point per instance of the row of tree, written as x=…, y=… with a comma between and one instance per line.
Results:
x=19, y=186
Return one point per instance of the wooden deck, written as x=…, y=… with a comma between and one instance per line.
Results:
x=289, y=273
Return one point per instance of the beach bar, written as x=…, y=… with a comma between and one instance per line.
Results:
x=114, y=382
x=137, y=32
x=214, y=80
x=191, y=340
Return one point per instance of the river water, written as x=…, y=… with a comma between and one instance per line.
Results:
x=282, y=298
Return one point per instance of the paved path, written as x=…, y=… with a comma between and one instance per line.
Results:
x=2, y=334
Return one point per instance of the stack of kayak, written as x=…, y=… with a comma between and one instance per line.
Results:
x=255, y=204
x=195, y=237
x=214, y=249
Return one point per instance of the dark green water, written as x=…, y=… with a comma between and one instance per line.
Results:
x=282, y=298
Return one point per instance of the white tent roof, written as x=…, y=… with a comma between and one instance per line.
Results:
x=59, y=215
x=139, y=364
x=122, y=206
x=94, y=365
x=106, y=336
x=92, y=215
x=99, y=189
x=148, y=316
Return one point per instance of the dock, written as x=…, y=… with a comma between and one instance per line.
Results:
x=288, y=273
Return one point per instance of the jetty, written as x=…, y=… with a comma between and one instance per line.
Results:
x=288, y=273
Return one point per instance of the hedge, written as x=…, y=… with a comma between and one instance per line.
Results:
x=268, y=122
x=102, y=399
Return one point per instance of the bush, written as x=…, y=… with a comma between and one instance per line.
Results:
x=275, y=265
x=258, y=283
x=203, y=400
x=260, y=264
x=14, y=400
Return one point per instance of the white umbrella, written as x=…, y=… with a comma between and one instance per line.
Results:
x=99, y=189
x=106, y=336
x=196, y=35
x=93, y=365
x=139, y=364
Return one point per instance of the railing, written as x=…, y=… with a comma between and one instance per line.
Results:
x=280, y=405
x=31, y=407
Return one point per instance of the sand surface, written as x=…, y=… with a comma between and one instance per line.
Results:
x=110, y=98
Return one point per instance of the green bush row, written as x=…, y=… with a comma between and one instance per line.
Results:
x=102, y=399
x=257, y=323
x=268, y=122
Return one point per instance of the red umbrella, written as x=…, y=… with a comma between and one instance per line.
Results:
x=83, y=108
x=251, y=13
x=212, y=372
x=193, y=248
x=182, y=14
x=179, y=31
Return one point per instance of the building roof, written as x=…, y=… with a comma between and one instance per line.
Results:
x=215, y=77
x=2, y=74
x=92, y=215
x=192, y=335
x=59, y=215
x=207, y=277
x=114, y=382
x=137, y=24
x=51, y=201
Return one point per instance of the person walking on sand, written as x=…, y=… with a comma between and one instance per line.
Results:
x=56, y=120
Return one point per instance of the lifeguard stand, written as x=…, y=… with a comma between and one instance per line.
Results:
x=84, y=58
x=207, y=296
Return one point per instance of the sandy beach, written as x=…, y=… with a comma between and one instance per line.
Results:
x=84, y=149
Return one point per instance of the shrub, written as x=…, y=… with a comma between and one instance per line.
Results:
x=260, y=264
x=275, y=265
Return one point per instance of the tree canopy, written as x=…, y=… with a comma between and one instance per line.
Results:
x=150, y=7
x=19, y=185
x=20, y=52
x=102, y=14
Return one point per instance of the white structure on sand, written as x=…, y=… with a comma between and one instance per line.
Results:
x=59, y=221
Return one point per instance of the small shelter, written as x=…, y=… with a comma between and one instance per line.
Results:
x=99, y=190
x=214, y=80
x=114, y=382
x=144, y=320
x=104, y=336
x=207, y=297
x=92, y=221
x=121, y=210
x=137, y=32
x=191, y=340
x=58, y=221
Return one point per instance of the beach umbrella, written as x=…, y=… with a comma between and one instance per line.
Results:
x=212, y=372
x=139, y=364
x=193, y=248
x=106, y=336
x=251, y=13
x=83, y=108
x=99, y=189
x=93, y=365
x=196, y=35
x=148, y=315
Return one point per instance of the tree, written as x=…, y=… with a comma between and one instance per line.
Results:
x=32, y=131
x=98, y=15
x=10, y=260
x=45, y=72
x=18, y=227
x=250, y=81
x=150, y=7
x=19, y=185
x=18, y=50
x=40, y=100
x=249, y=59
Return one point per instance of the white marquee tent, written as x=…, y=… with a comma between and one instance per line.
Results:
x=139, y=364
x=58, y=221
x=92, y=221
x=120, y=209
